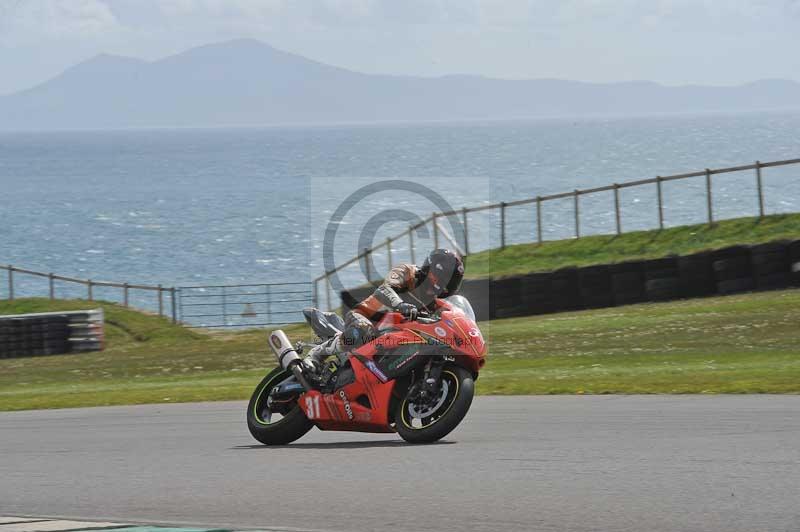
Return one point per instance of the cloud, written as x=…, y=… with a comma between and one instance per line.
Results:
x=30, y=21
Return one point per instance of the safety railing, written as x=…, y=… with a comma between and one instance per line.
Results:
x=89, y=285
x=463, y=244
x=243, y=305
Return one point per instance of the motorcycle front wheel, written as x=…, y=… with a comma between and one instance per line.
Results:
x=265, y=423
x=426, y=422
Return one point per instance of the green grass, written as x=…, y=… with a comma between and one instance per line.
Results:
x=525, y=258
x=738, y=344
x=147, y=360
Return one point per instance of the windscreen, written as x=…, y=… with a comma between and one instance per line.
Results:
x=462, y=303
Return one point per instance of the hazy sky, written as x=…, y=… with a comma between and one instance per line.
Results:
x=669, y=41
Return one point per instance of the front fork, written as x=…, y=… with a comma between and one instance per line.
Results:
x=428, y=386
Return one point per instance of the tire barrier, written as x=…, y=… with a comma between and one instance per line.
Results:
x=595, y=286
x=56, y=333
x=771, y=265
x=506, y=297
x=696, y=273
x=662, y=279
x=627, y=282
x=537, y=293
x=794, y=262
x=566, y=294
x=731, y=270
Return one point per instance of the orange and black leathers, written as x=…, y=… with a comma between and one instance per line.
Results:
x=359, y=326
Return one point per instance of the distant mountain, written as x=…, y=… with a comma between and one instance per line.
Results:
x=246, y=82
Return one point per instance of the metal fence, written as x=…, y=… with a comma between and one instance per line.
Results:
x=462, y=242
x=123, y=294
x=245, y=305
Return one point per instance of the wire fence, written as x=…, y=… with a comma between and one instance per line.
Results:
x=539, y=228
x=243, y=305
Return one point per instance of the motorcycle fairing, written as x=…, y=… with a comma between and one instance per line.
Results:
x=345, y=408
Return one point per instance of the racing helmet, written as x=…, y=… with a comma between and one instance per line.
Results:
x=444, y=271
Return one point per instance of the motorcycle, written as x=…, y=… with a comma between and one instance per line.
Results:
x=416, y=378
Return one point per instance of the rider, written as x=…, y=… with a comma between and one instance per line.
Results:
x=439, y=276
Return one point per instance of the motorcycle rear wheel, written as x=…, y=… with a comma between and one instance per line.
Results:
x=293, y=425
x=458, y=389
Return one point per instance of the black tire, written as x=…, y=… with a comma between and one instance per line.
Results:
x=663, y=289
x=769, y=258
x=287, y=429
x=457, y=407
x=735, y=286
x=628, y=298
x=775, y=281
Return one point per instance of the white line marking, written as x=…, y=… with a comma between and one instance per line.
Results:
x=57, y=526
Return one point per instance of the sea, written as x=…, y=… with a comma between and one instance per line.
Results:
x=185, y=207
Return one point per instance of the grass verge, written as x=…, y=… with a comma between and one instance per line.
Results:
x=605, y=249
x=736, y=344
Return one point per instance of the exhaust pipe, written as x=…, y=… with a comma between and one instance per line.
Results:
x=287, y=357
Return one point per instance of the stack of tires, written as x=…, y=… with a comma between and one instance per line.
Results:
x=23, y=335
x=595, y=286
x=506, y=297
x=566, y=294
x=537, y=294
x=662, y=281
x=86, y=331
x=696, y=273
x=794, y=262
x=771, y=264
x=34, y=336
x=627, y=282
x=733, y=270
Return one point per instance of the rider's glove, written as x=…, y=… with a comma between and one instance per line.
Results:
x=408, y=310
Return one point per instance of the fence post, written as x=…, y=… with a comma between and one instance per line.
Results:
x=435, y=231
x=10, y=282
x=539, y=219
x=760, y=190
x=268, y=290
x=160, y=301
x=172, y=301
x=466, y=231
x=577, y=209
x=411, y=243
x=616, y=209
x=502, y=225
x=328, y=291
x=224, y=306
x=315, y=293
x=709, y=200
x=51, y=282
x=660, y=203
x=389, y=251
x=367, y=253
x=125, y=294
x=91, y=295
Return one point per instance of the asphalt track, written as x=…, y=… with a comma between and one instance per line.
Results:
x=621, y=463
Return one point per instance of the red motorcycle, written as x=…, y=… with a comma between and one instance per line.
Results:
x=415, y=378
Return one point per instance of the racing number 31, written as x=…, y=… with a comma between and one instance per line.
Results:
x=312, y=407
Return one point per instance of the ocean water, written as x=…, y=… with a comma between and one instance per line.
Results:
x=220, y=206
